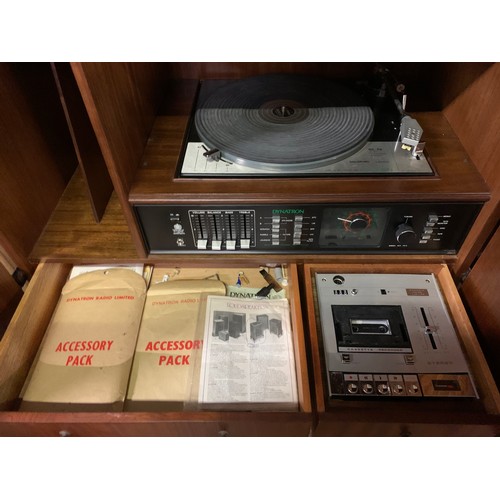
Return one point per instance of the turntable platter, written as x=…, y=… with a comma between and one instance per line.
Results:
x=284, y=121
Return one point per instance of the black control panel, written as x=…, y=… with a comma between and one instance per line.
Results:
x=315, y=228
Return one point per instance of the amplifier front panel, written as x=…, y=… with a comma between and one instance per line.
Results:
x=424, y=228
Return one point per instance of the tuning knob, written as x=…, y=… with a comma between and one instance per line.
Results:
x=357, y=221
x=405, y=233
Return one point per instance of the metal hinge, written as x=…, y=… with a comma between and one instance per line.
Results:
x=463, y=277
x=20, y=277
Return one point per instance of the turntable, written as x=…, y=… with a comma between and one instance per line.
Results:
x=283, y=125
x=304, y=165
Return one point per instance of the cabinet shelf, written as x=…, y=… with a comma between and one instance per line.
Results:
x=73, y=235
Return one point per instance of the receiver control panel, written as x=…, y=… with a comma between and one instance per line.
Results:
x=315, y=228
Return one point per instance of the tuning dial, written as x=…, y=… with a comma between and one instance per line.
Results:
x=356, y=221
x=405, y=233
x=359, y=222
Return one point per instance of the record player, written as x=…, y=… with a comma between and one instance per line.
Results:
x=305, y=165
x=293, y=125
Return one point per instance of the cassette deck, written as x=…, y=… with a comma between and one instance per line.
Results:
x=389, y=335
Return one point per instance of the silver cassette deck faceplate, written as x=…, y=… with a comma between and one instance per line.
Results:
x=389, y=335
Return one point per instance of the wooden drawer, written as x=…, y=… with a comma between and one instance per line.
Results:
x=403, y=418
x=24, y=335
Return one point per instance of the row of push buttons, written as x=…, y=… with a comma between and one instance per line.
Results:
x=297, y=229
x=429, y=228
x=367, y=384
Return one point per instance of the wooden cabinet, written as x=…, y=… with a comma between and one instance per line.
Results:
x=123, y=123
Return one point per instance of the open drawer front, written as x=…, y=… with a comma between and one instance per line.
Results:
x=20, y=344
x=383, y=414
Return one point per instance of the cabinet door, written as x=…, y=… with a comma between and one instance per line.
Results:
x=37, y=159
x=482, y=294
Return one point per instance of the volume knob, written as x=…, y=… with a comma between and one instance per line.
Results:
x=405, y=233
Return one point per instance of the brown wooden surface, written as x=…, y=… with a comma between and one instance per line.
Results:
x=25, y=332
x=475, y=118
x=36, y=155
x=122, y=100
x=209, y=424
x=456, y=179
x=423, y=417
x=87, y=149
x=73, y=235
x=481, y=295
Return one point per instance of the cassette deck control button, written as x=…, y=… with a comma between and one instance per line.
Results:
x=352, y=388
x=367, y=388
x=398, y=388
x=409, y=359
x=412, y=385
x=383, y=388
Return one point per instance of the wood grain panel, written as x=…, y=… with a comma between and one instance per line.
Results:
x=480, y=292
x=87, y=149
x=72, y=234
x=175, y=424
x=36, y=155
x=25, y=332
x=475, y=117
x=456, y=179
x=121, y=100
